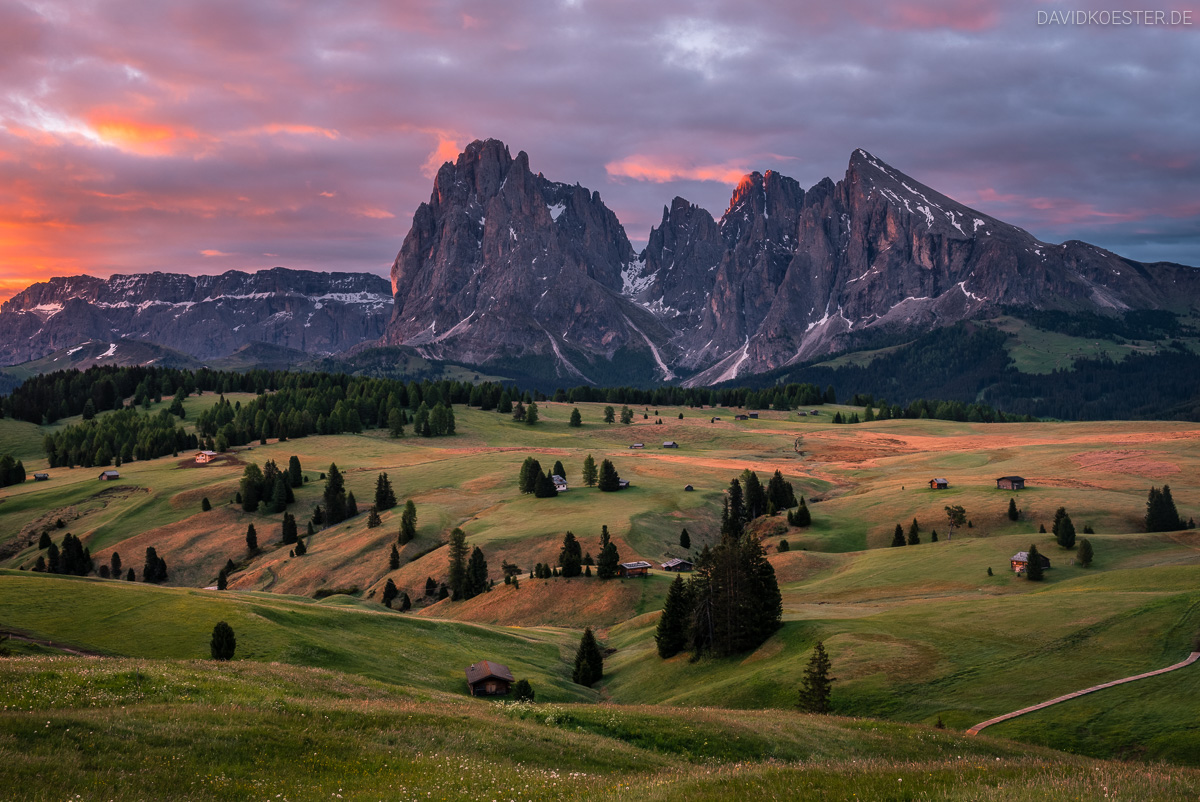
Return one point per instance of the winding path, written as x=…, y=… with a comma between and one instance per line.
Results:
x=1193, y=657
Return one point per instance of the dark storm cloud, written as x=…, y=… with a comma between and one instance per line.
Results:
x=206, y=136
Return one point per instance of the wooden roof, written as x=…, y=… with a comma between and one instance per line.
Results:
x=1010, y=478
x=635, y=564
x=674, y=561
x=486, y=668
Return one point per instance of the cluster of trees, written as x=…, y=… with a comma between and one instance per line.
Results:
x=12, y=471
x=155, y=568
x=270, y=487
x=589, y=661
x=533, y=479
x=122, y=436
x=1161, y=514
x=1063, y=529
x=72, y=558
x=801, y=516
x=913, y=538
x=340, y=504
x=732, y=602
x=468, y=576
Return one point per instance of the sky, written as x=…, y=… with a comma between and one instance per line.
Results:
x=200, y=137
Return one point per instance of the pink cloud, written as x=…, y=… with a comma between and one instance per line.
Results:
x=647, y=168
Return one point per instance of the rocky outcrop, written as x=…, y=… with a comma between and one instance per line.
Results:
x=202, y=316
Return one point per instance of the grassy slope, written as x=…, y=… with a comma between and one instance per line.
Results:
x=242, y=730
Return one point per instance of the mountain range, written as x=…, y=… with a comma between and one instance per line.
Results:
x=506, y=270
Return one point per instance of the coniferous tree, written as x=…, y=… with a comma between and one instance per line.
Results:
x=130, y=576
x=390, y=592
x=518, y=411
x=543, y=487
x=115, y=565
x=405, y=602
x=802, y=517
x=914, y=536
x=576, y=419
x=205, y=504
x=733, y=514
x=477, y=574
x=408, y=523
x=300, y=549
x=898, y=536
x=531, y=414
x=933, y=536
x=755, y=498
x=626, y=415
x=373, y=519
x=957, y=516
x=396, y=422
x=685, y=540
x=52, y=560
x=223, y=642
x=816, y=690
x=527, y=481
x=559, y=470
x=1059, y=514
x=394, y=559
x=457, y=579
x=570, y=556
x=290, y=533
x=351, y=505
x=279, y=495
x=1033, y=569
x=335, y=496
x=780, y=493
x=430, y=586
x=1013, y=513
x=385, y=497
x=609, y=560
x=222, y=580
x=1161, y=513
x=671, y=636
x=295, y=474
x=784, y=546
x=1084, y=555
x=609, y=480
x=1065, y=532
x=44, y=541
x=609, y=415
x=1042, y=529
x=589, y=662
x=737, y=604
x=589, y=471
x=251, y=487
x=251, y=539
x=523, y=691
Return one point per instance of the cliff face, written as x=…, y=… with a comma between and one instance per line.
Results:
x=503, y=263
x=202, y=316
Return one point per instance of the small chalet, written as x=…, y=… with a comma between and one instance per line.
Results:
x=753, y=415
x=1020, y=561
x=638, y=445
x=741, y=417
x=560, y=484
x=939, y=484
x=41, y=477
x=676, y=564
x=205, y=457
x=109, y=475
x=486, y=678
x=670, y=444
x=688, y=488
x=638, y=568
x=1010, y=483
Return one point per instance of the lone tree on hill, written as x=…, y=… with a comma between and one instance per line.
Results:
x=373, y=519
x=289, y=533
x=1084, y=555
x=609, y=481
x=205, y=504
x=385, y=497
x=589, y=471
x=576, y=419
x=1013, y=512
x=609, y=415
x=394, y=559
x=251, y=539
x=1033, y=569
x=531, y=414
x=685, y=540
x=898, y=536
x=570, y=556
x=223, y=642
x=671, y=637
x=1161, y=514
x=589, y=662
x=957, y=516
x=408, y=523
x=335, y=496
x=817, y=687
x=222, y=580
x=458, y=564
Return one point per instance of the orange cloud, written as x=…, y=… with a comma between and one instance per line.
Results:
x=447, y=150
x=294, y=128
x=374, y=213
x=212, y=252
x=142, y=138
x=646, y=168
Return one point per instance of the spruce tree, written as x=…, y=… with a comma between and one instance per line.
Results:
x=1065, y=532
x=570, y=556
x=737, y=604
x=385, y=497
x=784, y=546
x=1059, y=514
x=1161, y=513
x=527, y=481
x=408, y=523
x=477, y=574
x=914, y=536
x=223, y=642
x=295, y=474
x=430, y=586
x=780, y=493
x=457, y=556
x=609, y=415
x=543, y=487
x=405, y=602
x=394, y=559
x=130, y=576
x=335, y=496
x=609, y=560
x=373, y=519
x=251, y=540
x=626, y=415
x=609, y=480
x=933, y=536
x=279, y=495
x=589, y=662
x=115, y=565
x=576, y=419
x=44, y=541
x=205, y=504
x=351, y=505
x=898, y=536
x=559, y=470
x=531, y=414
x=589, y=471
x=1084, y=555
x=523, y=691
x=816, y=690
x=222, y=580
x=671, y=636
x=802, y=516
x=1033, y=569
x=1013, y=513
x=685, y=540
x=289, y=533
x=390, y=592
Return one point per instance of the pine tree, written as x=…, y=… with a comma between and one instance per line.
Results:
x=251, y=539
x=559, y=470
x=335, y=496
x=671, y=636
x=755, y=498
x=222, y=580
x=1059, y=514
x=933, y=536
x=223, y=642
x=802, y=517
x=609, y=415
x=1013, y=513
x=300, y=549
x=396, y=422
x=373, y=519
x=390, y=592
x=295, y=474
x=458, y=564
x=251, y=487
x=914, y=536
x=1033, y=569
x=385, y=497
x=626, y=415
x=408, y=523
x=737, y=604
x=543, y=487
x=780, y=493
x=405, y=602
x=685, y=540
x=816, y=690
x=430, y=586
x=531, y=414
x=351, y=505
x=609, y=560
x=477, y=574
x=527, y=481
x=289, y=533
x=609, y=480
x=589, y=662
x=589, y=471
x=130, y=576
x=784, y=546
x=570, y=556
x=576, y=419
x=115, y=565
x=205, y=504
x=1161, y=513
x=957, y=516
x=898, y=536
x=394, y=559
x=1065, y=532
x=523, y=691
x=279, y=495
x=1084, y=555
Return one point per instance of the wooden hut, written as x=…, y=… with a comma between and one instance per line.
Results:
x=939, y=484
x=486, y=678
x=109, y=475
x=677, y=564
x=1020, y=561
x=637, y=568
x=1010, y=483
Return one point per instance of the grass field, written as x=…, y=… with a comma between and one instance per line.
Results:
x=915, y=633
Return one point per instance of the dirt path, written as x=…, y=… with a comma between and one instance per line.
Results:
x=41, y=642
x=1183, y=664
